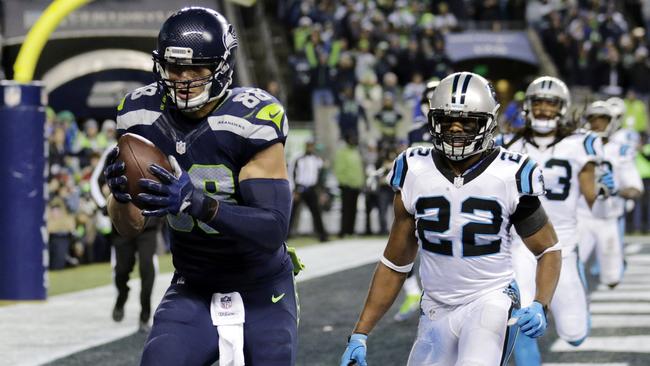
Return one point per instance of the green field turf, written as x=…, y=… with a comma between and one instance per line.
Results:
x=99, y=274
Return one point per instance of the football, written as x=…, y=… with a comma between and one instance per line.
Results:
x=138, y=153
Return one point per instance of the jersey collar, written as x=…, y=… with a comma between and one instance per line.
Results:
x=469, y=174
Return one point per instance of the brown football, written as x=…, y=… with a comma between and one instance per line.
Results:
x=138, y=153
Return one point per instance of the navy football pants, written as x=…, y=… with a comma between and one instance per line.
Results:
x=183, y=333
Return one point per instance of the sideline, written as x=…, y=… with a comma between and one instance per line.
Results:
x=38, y=333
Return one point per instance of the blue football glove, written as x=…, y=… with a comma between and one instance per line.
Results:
x=355, y=353
x=531, y=320
x=605, y=185
x=175, y=193
x=115, y=178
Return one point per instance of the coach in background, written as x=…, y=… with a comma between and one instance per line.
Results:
x=307, y=173
x=124, y=251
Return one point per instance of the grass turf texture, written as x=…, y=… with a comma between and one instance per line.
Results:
x=100, y=274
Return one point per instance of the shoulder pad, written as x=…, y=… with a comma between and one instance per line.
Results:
x=529, y=178
x=589, y=143
x=251, y=113
x=397, y=174
x=142, y=106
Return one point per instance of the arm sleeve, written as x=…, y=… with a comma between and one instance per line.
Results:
x=262, y=219
x=529, y=216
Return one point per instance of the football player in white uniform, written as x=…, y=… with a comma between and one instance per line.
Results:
x=456, y=202
x=601, y=228
x=623, y=132
x=568, y=161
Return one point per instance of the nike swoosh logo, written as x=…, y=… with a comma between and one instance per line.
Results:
x=274, y=114
x=275, y=299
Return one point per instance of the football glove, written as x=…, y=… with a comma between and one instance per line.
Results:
x=115, y=178
x=175, y=193
x=531, y=320
x=355, y=353
x=605, y=184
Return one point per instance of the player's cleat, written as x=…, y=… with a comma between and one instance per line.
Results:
x=118, y=313
x=409, y=307
x=144, y=327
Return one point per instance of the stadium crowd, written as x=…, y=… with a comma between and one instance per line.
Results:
x=370, y=61
x=78, y=231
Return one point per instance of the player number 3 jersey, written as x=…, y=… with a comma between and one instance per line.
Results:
x=462, y=223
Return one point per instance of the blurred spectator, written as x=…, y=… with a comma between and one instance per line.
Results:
x=641, y=214
x=301, y=33
x=368, y=93
x=637, y=111
x=348, y=169
x=67, y=119
x=444, y=21
x=512, y=116
x=412, y=95
x=50, y=118
x=109, y=130
x=350, y=114
x=61, y=229
x=388, y=118
x=345, y=75
x=307, y=177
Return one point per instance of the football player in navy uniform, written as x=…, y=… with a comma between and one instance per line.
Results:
x=227, y=201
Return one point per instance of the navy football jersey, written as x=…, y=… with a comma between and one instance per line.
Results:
x=212, y=150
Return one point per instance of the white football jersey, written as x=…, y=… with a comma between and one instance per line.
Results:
x=619, y=159
x=561, y=163
x=462, y=223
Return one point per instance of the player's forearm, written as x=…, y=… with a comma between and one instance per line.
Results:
x=548, y=273
x=630, y=193
x=126, y=218
x=385, y=286
x=263, y=220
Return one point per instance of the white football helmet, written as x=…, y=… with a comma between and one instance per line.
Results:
x=617, y=106
x=599, y=108
x=551, y=88
x=470, y=99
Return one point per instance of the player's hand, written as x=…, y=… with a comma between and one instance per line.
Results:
x=605, y=184
x=531, y=320
x=355, y=353
x=115, y=178
x=175, y=193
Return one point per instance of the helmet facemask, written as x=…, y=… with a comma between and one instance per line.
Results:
x=477, y=135
x=214, y=84
x=545, y=125
x=607, y=132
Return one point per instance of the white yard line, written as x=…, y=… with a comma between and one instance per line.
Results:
x=586, y=364
x=619, y=308
x=626, y=344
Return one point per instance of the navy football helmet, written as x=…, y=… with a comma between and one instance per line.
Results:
x=195, y=36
